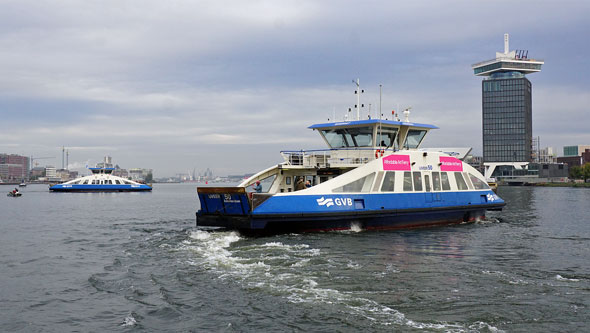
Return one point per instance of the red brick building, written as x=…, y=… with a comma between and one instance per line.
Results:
x=13, y=167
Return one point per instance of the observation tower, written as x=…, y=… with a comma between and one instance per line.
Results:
x=507, y=110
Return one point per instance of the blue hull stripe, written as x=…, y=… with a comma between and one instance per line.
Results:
x=98, y=188
x=350, y=203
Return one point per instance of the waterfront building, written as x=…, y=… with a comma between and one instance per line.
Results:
x=576, y=160
x=507, y=110
x=575, y=150
x=139, y=174
x=14, y=167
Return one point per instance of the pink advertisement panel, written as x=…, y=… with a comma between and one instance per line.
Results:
x=450, y=164
x=396, y=163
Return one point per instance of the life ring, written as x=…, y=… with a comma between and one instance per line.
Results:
x=382, y=151
x=377, y=154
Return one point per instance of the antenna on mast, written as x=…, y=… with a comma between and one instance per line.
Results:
x=358, y=93
x=380, y=114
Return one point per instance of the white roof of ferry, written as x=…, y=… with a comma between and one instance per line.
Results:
x=371, y=122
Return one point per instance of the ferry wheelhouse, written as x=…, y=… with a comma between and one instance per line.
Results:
x=372, y=176
x=101, y=180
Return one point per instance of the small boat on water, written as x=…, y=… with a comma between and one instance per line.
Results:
x=14, y=194
x=101, y=180
x=372, y=176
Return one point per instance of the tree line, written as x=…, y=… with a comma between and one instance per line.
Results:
x=580, y=172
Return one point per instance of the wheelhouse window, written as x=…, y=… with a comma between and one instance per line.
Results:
x=388, y=182
x=414, y=138
x=387, y=137
x=359, y=185
x=349, y=137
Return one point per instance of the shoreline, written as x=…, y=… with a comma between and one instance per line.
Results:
x=580, y=185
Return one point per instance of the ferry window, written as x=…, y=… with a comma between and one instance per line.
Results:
x=417, y=180
x=359, y=185
x=386, y=137
x=427, y=182
x=349, y=137
x=117, y=182
x=85, y=182
x=110, y=181
x=436, y=181
x=388, y=182
x=461, y=185
x=469, y=184
x=288, y=180
x=408, y=181
x=378, y=181
x=267, y=183
x=414, y=138
x=478, y=184
x=444, y=179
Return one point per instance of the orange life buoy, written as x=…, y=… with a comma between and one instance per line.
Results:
x=377, y=153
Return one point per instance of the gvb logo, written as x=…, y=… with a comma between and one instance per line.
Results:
x=325, y=202
x=331, y=202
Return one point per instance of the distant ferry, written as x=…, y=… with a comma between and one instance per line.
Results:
x=372, y=176
x=101, y=180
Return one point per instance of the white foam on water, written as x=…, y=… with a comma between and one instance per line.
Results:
x=356, y=227
x=561, y=278
x=353, y=265
x=506, y=277
x=218, y=252
x=129, y=321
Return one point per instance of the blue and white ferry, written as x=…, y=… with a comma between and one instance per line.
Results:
x=372, y=176
x=101, y=180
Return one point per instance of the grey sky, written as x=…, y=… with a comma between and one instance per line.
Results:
x=177, y=85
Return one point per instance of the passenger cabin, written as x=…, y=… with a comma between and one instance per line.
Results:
x=350, y=145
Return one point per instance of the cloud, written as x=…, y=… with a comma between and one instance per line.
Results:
x=177, y=85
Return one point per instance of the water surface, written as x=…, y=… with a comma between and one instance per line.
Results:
x=136, y=262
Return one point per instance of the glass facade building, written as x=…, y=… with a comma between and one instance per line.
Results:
x=507, y=118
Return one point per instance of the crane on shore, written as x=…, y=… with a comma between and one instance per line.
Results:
x=39, y=158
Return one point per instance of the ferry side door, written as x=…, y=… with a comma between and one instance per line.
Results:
x=429, y=196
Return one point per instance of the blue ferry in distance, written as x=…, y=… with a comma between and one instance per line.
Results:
x=101, y=180
x=374, y=175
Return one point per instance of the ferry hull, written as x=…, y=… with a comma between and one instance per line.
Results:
x=367, y=220
x=232, y=208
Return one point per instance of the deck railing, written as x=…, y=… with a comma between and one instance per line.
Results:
x=324, y=158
